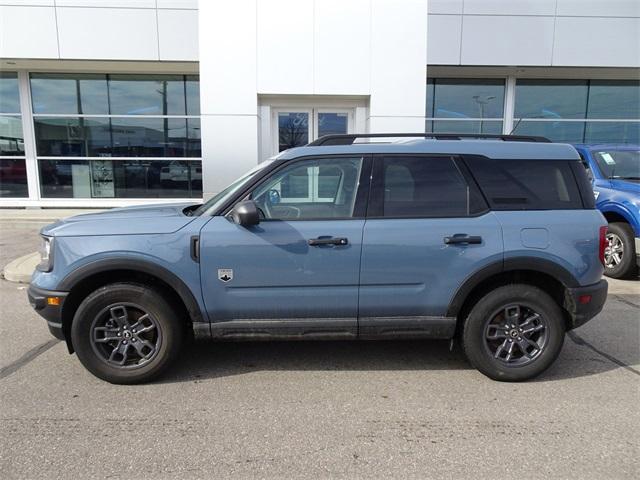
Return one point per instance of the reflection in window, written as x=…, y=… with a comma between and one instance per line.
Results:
x=465, y=98
x=117, y=137
x=13, y=178
x=614, y=99
x=293, y=130
x=11, y=136
x=9, y=95
x=62, y=93
x=331, y=123
x=551, y=99
x=465, y=126
x=72, y=137
x=569, y=132
x=556, y=109
x=120, y=178
x=147, y=95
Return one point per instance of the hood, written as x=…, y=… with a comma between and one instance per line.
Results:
x=631, y=186
x=137, y=220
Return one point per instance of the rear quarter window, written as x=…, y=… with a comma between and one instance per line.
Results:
x=526, y=184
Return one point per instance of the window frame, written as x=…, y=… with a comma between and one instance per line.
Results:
x=362, y=194
x=375, y=205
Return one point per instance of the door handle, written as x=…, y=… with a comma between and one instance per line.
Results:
x=463, y=238
x=316, y=242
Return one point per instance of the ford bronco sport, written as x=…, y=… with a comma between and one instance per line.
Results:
x=494, y=241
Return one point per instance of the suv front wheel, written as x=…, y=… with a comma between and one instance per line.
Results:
x=514, y=333
x=126, y=333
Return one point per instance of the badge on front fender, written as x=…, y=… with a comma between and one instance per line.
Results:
x=225, y=274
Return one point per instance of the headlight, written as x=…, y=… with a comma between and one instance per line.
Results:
x=46, y=254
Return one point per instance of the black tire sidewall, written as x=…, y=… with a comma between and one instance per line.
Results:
x=627, y=266
x=474, y=331
x=153, y=303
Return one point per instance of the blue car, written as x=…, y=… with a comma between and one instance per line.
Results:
x=615, y=173
x=493, y=241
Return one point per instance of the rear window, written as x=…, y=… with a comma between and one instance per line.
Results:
x=526, y=184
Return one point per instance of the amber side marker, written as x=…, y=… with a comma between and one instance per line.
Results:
x=55, y=301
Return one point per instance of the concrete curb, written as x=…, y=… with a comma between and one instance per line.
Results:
x=20, y=269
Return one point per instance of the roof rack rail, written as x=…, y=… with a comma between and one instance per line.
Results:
x=349, y=139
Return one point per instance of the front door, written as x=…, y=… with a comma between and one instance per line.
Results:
x=296, y=272
x=295, y=127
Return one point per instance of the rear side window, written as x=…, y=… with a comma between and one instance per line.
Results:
x=526, y=184
x=419, y=187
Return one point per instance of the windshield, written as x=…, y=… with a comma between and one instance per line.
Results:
x=217, y=200
x=623, y=164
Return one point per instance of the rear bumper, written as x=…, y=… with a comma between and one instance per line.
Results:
x=51, y=313
x=584, y=303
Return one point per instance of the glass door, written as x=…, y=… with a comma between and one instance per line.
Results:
x=295, y=127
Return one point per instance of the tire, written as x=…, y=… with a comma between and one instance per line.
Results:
x=488, y=318
x=126, y=333
x=622, y=265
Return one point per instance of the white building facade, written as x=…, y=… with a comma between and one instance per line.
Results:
x=116, y=102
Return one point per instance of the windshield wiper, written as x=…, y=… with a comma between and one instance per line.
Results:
x=624, y=178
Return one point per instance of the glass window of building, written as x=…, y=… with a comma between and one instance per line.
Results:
x=13, y=172
x=465, y=105
x=579, y=111
x=117, y=136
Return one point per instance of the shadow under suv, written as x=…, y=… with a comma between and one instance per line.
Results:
x=492, y=240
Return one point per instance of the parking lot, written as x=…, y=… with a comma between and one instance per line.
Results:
x=318, y=410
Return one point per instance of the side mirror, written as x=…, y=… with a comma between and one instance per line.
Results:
x=246, y=213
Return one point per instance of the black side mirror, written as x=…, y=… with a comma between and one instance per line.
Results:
x=246, y=213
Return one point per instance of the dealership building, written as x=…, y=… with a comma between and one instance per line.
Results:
x=119, y=102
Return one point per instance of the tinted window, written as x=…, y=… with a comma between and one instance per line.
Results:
x=526, y=184
x=422, y=187
x=311, y=189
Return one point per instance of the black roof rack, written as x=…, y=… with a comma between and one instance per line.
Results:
x=349, y=139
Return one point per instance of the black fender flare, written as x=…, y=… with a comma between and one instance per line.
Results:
x=532, y=264
x=137, y=265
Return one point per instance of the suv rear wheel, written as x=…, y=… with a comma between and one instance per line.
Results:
x=620, y=255
x=126, y=333
x=514, y=333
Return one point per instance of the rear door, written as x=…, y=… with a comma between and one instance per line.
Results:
x=428, y=229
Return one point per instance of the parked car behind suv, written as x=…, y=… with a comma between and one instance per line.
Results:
x=494, y=241
x=615, y=173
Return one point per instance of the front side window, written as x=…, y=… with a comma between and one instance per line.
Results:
x=422, y=187
x=322, y=188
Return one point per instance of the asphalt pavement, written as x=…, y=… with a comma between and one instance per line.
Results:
x=383, y=409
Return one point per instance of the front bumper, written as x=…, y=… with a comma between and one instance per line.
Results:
x=584, y=303
x=38, y=298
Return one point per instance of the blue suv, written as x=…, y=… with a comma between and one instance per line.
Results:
x=615, y=173
x=494, y=241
